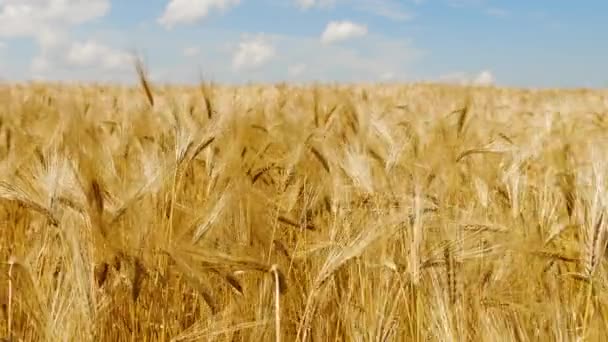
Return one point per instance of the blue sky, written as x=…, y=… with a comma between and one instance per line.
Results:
x=540, y=43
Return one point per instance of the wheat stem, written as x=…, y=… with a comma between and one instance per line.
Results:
x=277, y=302
x=11, y=262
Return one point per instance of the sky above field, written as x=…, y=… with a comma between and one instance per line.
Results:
x=541, y=43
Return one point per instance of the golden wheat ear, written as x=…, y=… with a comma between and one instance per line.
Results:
x=143, y=80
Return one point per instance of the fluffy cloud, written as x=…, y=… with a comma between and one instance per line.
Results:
x=390, y=9
x=92, y=53
x=230, y=57
x=49, y=23
x=306, y=4
x=31, y=18
x=191, y=11
x=367, y=59
x=252, y=53
x=484, y=78
x=92, y=59
x=337, y=31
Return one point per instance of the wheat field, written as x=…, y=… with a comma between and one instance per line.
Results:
x=302, y=213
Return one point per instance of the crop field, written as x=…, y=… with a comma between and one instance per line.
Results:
x=279, y=212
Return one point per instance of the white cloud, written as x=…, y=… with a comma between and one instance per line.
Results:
x=30, y=18
x=484, y=78
x=225, y=56
x=48, y=39
x=366, y=59
x=48, y=22
x=307, y=4
x=2, y=45
x=337, y=31
x=252, y=53
x=191, y=51
x=389, y=9
x=191, y=11
x=83, y=60
x=93, y=54
x=296, y=70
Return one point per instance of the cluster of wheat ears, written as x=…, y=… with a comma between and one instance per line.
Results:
x=302, y=213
